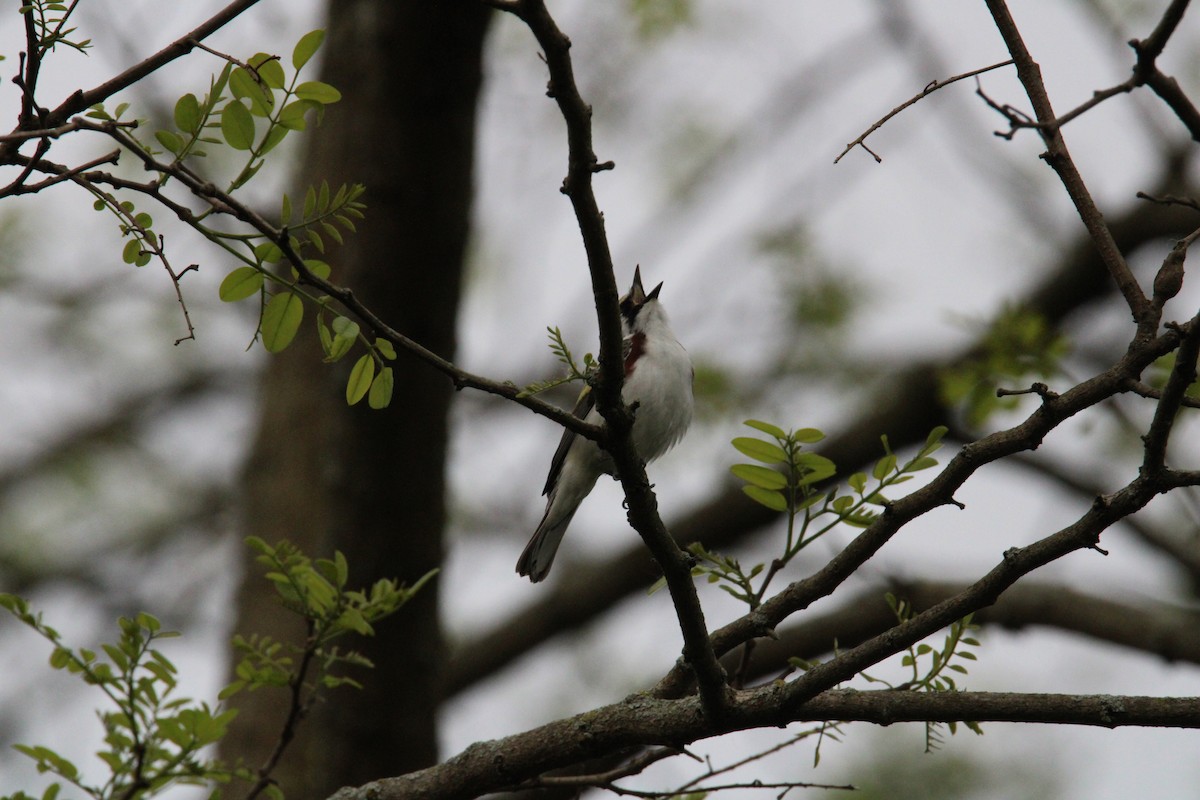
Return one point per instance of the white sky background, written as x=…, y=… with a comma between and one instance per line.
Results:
x=932, y=234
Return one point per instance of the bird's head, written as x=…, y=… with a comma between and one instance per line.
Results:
x=637, y=307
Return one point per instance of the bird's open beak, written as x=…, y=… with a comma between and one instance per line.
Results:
x=637, y=295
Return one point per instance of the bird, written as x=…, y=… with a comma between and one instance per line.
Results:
x=658, y=387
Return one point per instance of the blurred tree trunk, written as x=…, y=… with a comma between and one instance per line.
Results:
x=371, y=483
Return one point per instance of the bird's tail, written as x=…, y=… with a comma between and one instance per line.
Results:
x=535, y=561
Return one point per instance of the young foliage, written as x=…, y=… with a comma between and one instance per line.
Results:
x=50, y=19
x=250, y=107
x=154, y=740
x=791, y=480
x=1018, y=346
x=562, y=352
x=931, y=668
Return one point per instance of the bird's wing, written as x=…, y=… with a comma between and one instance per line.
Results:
x=583, y=406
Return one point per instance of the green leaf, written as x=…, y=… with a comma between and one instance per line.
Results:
x=918, y=464
x=243, y=83
x=858, y=482
x=240, y=284
x=292, y=115
x=268, y=252
x=332, y=231
x=317, y=267
x=318, y=92
x=269, y=69
x=170, y=140
x=759, y=450
x=344, y=326
x=316, y=240
x=816, y=468
x=385, y=349
x=771, y=499
x=237, y=126
x=307, y=47
x=755, y=475
x=131, y=251
x=345, y=335
x=60, y=658
x=934, y=440
x=280, y=320
x=766, y=427
x=275, y=135
x=807, y=436
x=187, y=113
x=381, y=389
x=884, y=467
x=360, y=380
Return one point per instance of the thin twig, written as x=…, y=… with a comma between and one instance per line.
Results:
x=929, y=89
x=1171, y=200
x=52, y=133
x=59, y=174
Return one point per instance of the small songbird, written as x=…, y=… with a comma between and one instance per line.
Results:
x=658, y=381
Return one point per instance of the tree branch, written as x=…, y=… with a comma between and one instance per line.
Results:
x=641, y=500
x=906, y=410
x=1146, y=70
x=641, y=721
x=1059, y=159
x=1168, y=631
x=938, y=492
x=82, y=100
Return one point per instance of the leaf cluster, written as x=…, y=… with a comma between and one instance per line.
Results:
x=1020, y=344
x=50, y=25
x=249, y=108
x=791, y=480
x=933, y=668
x=317, y=591
x=154, y=740
x=562, y=352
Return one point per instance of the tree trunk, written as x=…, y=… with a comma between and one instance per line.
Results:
x=371, y=483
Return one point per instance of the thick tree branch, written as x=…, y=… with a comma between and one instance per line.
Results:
x=642, y=721
x=1182, y=376
x=1173, y=547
